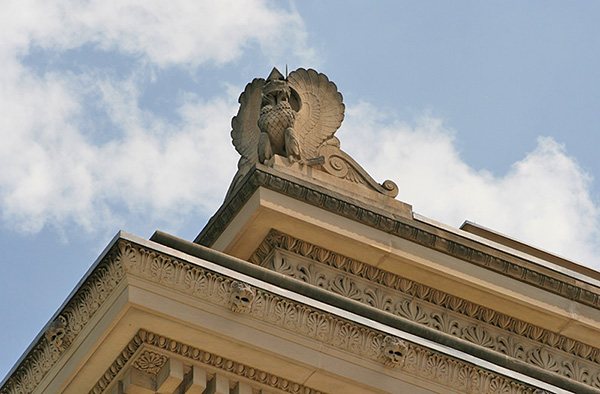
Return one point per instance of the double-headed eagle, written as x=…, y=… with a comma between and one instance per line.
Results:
x=291, y=117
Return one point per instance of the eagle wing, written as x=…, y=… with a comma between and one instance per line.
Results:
x=244, y=126
x=321, y=109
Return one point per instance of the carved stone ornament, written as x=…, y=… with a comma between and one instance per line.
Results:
x=429, y=307
x=295, y=117
x=55, y=334
x=150, y=362
x=393, y=351
x=192, y=355
x=128, y=258
x=242, y=296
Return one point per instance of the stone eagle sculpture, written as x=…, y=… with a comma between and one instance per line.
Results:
x=295, y=117
x=290, y=117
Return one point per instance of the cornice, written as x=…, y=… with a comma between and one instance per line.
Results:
x=128, y=258
x=421, y=233
x=427, y=306
x=158, y=348
x=313, y=323
x=79, y=309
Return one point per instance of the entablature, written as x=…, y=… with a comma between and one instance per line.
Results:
x=426, y=305
x=421, y=251
x=198, y=300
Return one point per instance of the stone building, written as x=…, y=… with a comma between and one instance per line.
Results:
x=313, y=278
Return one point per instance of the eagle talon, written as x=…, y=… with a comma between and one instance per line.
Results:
x=265, y=151
x=292, y=146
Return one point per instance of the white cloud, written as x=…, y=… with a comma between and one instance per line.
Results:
x=54, y=173
x=544, y=199
x=168, y=168
x=177, y=32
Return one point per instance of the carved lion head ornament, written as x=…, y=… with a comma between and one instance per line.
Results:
x=55, y=334
x=393, y=351
x=295, y=117
x=242, y=295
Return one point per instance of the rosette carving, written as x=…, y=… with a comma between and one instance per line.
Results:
x=150, y=362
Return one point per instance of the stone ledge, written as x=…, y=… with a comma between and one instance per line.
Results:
x=419, y=232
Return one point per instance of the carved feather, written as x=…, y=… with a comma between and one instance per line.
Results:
x=321, y=112
x=244, y=125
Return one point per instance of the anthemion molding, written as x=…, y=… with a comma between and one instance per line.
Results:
x=479, y=255
x=430, y=307
x=127, y=258
x=313, y=323
x=71, y=320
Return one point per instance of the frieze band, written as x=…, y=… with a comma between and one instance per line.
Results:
x=131, y=259
x=72, y=319
x=315, y=324
x=427, y=306
x=262, y=176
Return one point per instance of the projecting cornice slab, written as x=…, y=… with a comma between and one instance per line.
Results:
x=427, y=306
x=397, y=222
x=143, y=280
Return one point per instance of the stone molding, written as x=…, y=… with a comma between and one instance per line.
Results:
x=128, y=258
x=158, y=348
x=315, y=324
x=312, y=323
x=72, y=319
x=424, y=305
x=437, y=239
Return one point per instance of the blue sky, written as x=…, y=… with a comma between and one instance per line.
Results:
x=116, y=115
